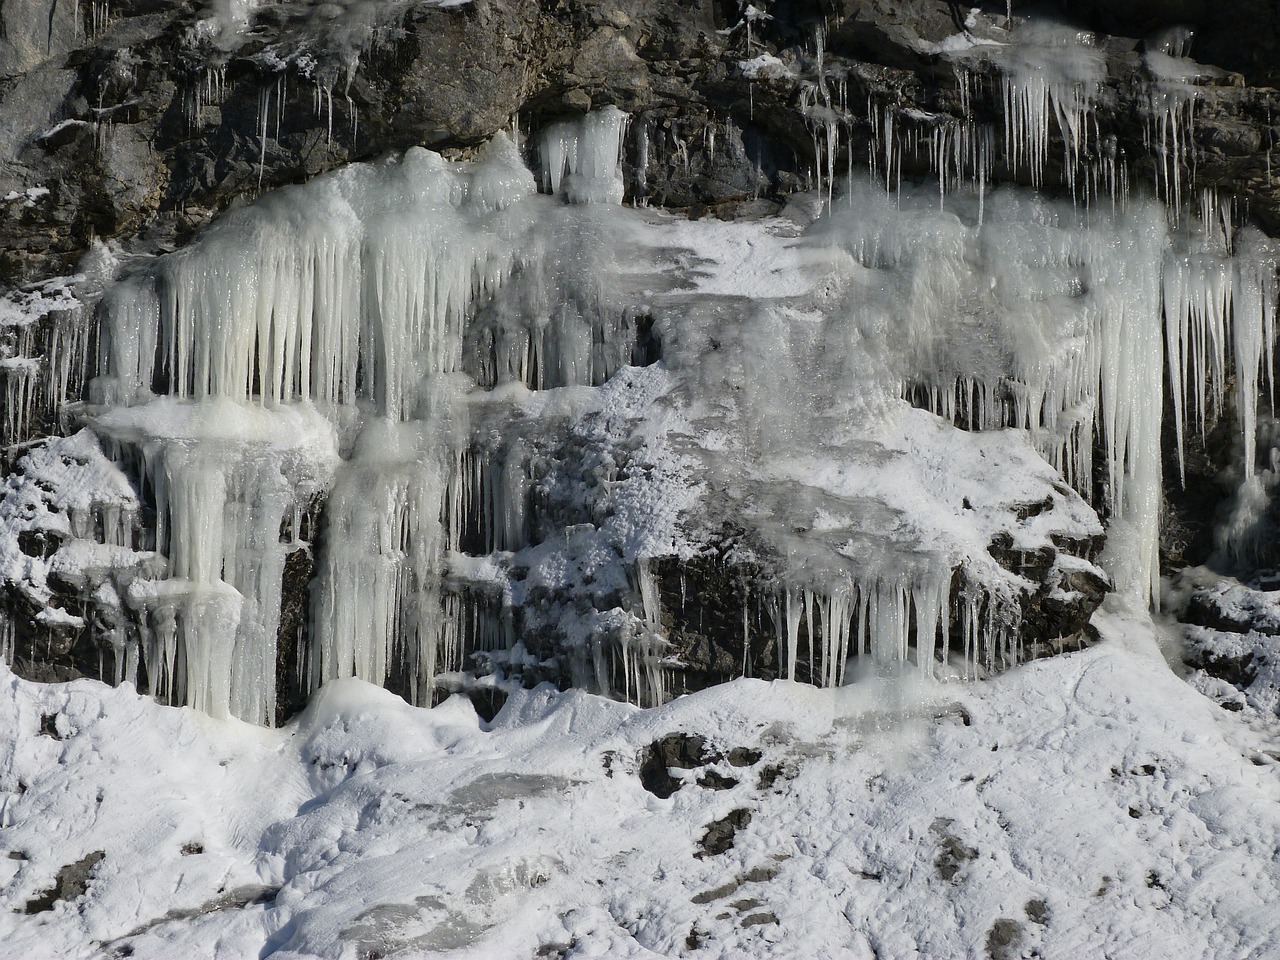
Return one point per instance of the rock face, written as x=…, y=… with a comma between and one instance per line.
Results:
x=149, y=115
x=1233, y=638
x=125, y=128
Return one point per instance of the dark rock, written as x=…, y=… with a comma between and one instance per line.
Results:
x=720, y=833
x=719, y=893
x=716, y=781
x=771, y=773
x=70, y=884
x=677, y=750
x=953, y=854
x=185, y=133
x=1004, y=940
x=743, y=757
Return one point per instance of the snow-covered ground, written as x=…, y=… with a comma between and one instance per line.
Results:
x=1090, y=805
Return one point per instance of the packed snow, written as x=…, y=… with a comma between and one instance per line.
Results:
x=1089, y=805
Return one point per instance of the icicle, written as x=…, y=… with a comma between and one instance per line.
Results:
x=580, y=158
x=1173, y=99
x=1053, y=72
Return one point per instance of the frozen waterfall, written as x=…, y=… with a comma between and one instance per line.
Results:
x=447, y=380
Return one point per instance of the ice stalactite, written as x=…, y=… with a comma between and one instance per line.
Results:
x=825, y=112
x=223, y=479
x=350, y=292
x=21, y=376
x=884, y=619
x=1254, y=310
x=43, y=340
x=1220, y=303
x=352, y=287
x=580, y=157
x=377, y=610
x=637, y=645
x=496, y=487
x=1050, y=72
x=1173, y=97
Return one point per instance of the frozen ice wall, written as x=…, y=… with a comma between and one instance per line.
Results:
x=451, y=363
x=1068, y=322
x=1020, y=311
x=332, y=308
x=313, y=344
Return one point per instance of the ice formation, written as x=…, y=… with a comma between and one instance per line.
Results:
x=580, y=157
x=452, y=364
x=313, y=344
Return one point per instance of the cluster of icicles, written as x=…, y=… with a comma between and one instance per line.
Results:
x=340, y=312
x=1046, y=78
x=313, y=345
x=1179, y=282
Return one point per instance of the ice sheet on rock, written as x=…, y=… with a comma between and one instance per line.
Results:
x=383, y=292
x=557, y=321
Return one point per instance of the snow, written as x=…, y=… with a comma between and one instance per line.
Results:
x=763, y=67
x=29, y=196
x=1090, y=804
x=63, y=487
